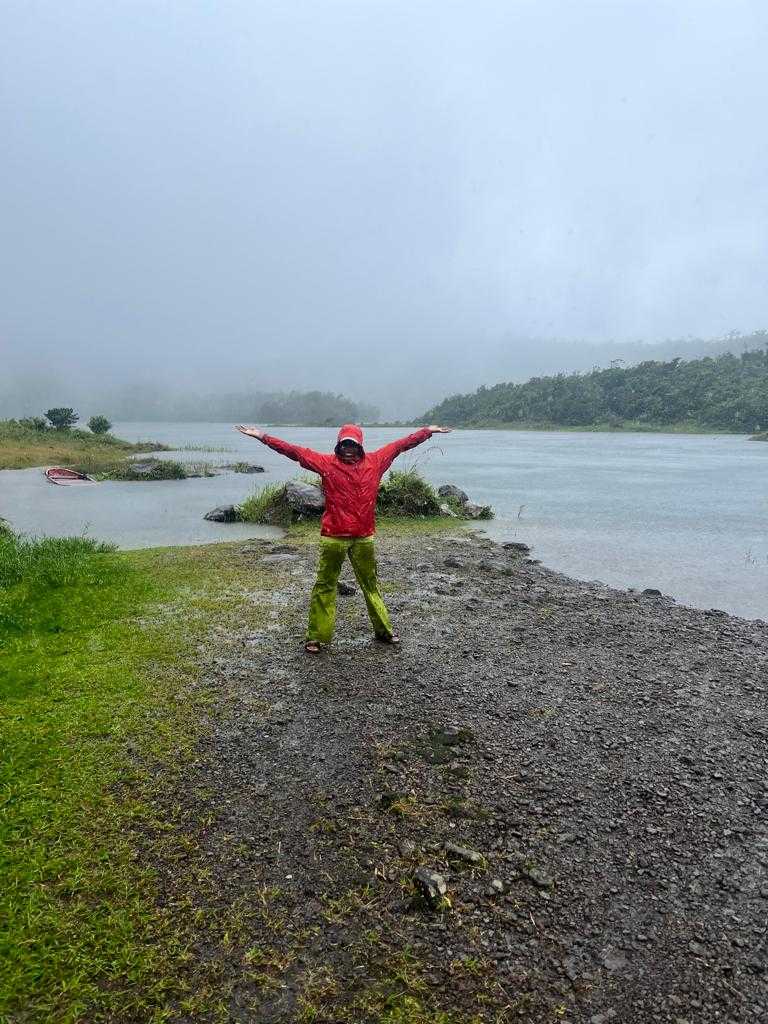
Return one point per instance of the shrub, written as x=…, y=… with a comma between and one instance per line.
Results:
x=34, y=423
x=62, y=417
x=407, y=493
x=99, y=424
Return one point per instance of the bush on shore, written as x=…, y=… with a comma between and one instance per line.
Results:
x=407, y=493
x=263, y=506
x=99, y=425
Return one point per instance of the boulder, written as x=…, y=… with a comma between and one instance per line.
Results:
x=516, y=545
x=223, y=514
x=304, y=499
x=452, y=491
x=472, y=511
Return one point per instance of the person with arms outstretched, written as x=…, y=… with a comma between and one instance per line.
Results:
x=351, y=478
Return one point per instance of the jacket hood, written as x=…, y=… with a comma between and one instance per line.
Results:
x=350, y=432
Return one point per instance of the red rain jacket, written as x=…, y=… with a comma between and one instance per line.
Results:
x=350, y=490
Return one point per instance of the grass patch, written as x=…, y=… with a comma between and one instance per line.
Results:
x=21, y=446
x=264, y=506
x=406, y=493
x=97, y=692
x=143, y=469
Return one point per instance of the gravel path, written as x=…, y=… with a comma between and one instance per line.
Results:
x=585, y=769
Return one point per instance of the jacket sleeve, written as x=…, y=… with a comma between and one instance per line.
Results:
x=305, y=457
x=387, y=455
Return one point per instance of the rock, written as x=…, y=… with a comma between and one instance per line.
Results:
x=539, y=878
x=496, y=888
x=406, y=848
x=452, y=491
x=697, y=949
x=451, y=736
x=451, y=562
x=345, y=589
x=448, y=511
x=463, y=853
x=223, y=514
x=516, y=545
x=652, y=592
x=603, y=1018
x=472, y=511
x=430, y=884
x=304, y=499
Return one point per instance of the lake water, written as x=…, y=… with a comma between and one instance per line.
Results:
x=687, y=514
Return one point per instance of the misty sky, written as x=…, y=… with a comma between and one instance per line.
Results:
x=386, y=198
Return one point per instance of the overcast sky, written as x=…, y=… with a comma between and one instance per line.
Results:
x=387, y=198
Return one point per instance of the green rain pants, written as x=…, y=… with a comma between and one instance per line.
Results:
x=322, y=607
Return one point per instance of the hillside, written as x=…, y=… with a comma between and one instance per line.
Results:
x=727, y=392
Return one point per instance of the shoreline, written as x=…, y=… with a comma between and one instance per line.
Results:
x=577, y=840
x=581, y=766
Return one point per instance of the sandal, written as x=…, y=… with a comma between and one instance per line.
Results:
x=312, y=647
x=387, y=638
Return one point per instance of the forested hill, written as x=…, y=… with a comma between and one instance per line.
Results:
x=727, y=392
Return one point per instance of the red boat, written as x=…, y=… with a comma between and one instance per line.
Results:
x=60, y=475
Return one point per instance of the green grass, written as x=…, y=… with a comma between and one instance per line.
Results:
x=97, y=677
x=262, y=506
x=128, y=469
x=406, y=493
x=22, y=446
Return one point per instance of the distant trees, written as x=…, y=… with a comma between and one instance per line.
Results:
x=99, y=424
x=727, y=392
x=311, y=407
x=62, y=417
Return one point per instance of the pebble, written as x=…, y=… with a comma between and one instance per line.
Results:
x=463, y=853
x=431, y=884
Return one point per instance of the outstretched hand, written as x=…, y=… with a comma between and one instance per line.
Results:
x=440, y=430
x=250, y=431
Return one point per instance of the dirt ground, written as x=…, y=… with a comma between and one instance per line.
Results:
x=584, y=768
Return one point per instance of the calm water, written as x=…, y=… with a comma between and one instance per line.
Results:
x=686, y=514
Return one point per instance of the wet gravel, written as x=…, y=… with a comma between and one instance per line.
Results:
x=583, y=770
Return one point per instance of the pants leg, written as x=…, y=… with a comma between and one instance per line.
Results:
x=322, y=605
x=363, y=559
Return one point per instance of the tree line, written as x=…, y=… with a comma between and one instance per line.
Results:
x=726, y=392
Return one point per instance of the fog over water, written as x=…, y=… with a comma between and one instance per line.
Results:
x=388, y=199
